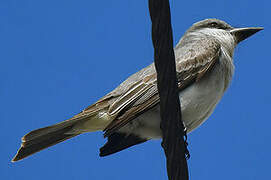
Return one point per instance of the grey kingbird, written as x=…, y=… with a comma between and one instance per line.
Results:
x=130, y=115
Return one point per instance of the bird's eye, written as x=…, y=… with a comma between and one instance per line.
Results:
x=213, y=24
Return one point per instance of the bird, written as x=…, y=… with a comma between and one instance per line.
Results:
x=130, y=114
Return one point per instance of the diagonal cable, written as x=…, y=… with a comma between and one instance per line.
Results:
x=172, y=127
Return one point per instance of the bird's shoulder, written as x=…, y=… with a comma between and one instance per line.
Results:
x=195, y=57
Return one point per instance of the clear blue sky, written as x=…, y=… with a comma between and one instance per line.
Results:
x=57, y=57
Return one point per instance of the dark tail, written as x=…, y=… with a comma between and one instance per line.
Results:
x=119, y=141
x=40, y=139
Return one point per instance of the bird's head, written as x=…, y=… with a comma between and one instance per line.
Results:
x=228, y=36
x=218, y=28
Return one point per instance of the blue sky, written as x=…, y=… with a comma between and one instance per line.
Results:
x=58, y=57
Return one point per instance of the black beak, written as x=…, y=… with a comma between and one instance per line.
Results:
x=241, y=34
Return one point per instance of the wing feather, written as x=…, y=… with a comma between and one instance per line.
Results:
x=191, y=65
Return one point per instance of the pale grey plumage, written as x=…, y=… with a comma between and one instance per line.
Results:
x=204, y=70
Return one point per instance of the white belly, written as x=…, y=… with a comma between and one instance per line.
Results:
x=197, y=103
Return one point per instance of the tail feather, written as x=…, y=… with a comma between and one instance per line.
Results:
x=40, y=139
x=57, y=127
